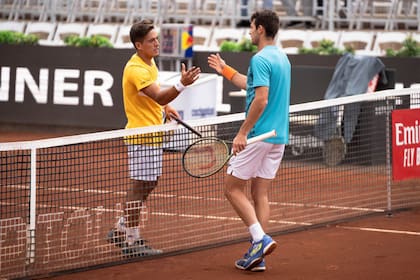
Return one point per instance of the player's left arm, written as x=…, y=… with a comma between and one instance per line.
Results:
x=169, y=110
x=256, y=109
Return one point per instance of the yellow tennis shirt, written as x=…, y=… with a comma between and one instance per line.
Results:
x=140, y=109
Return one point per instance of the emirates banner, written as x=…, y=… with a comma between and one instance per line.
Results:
x=405, y=144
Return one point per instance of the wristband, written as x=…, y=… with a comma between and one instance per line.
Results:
x=179, y=86
x=228, y=72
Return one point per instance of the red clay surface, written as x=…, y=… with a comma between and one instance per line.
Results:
x=389, y=250
x=378, y=247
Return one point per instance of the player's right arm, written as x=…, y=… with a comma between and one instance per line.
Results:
x=165, y=96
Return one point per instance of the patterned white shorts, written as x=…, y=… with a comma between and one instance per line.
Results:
x=145, y=162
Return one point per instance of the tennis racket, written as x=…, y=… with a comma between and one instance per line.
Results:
x=208, y=155
x=184, y=124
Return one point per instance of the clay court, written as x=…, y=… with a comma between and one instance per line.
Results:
x=381, y=247
x=377, y=246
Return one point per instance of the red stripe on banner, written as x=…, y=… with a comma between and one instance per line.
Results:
x=405, y=144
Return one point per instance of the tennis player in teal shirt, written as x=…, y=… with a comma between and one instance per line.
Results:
x=270, y=68
x=267, y=87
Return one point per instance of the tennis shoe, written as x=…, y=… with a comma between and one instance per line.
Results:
x=116, y=237
x=239, y=264
x=139, y=249
x=257, y=251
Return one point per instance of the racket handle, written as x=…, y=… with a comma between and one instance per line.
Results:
x=172, y=116
x=261, y=137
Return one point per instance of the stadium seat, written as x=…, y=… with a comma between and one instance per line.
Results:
x=314, y=37
x=226, y=34
x=123, y=37
x=87, y=10
x=106, y=30
x=43, y=30
x=202, y=37
x=67, y=29
x=388, y=40
x=360, y=41
x=17, y=26
x=291, y=40
x=416, y=36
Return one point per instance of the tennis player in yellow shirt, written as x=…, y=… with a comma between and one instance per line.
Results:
x=145, y=104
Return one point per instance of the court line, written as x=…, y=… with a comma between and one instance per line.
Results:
x=381, y=230
x=100, y=209
x=288, y=204
x=316, y=205
x=167, y=214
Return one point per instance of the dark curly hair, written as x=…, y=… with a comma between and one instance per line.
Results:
x=267, y=19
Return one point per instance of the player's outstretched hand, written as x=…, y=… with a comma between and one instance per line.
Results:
x=189, y=76
x=216, y=62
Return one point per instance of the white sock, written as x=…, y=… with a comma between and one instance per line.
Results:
x=136, y=233
x=120, y=225
x=256, y=231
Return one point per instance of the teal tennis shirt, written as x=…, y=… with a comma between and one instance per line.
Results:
x=270, y=68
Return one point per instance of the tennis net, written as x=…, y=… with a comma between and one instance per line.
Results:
x=61, y=196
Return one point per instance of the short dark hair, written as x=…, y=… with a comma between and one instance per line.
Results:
x=267, y=19
x=139, y=30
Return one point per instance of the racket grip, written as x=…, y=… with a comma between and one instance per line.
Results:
x=261, y=137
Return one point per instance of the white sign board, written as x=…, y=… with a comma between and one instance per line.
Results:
x=197, y=100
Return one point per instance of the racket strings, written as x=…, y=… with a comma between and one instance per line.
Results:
x=205, y=157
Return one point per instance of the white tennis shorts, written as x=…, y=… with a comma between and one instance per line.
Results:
x=259, y=159
x=145, y=162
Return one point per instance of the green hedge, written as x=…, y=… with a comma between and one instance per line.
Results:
x=17, y=38
x=410, y=48
x=326, y=47
x=244, y=45
x=92, y=41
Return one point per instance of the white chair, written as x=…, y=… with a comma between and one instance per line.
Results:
x=22, y=9
x=416, y=36
x=291, y=40
x=43, y=30
x=106, y=30
x=86, y=10
x=389, y=40
x=314, y=37
x=226, y=34
x=67, y=29
x=17, y=26
x=182, y=10
x=360, y=41
x=122, y=40
x=202, y=37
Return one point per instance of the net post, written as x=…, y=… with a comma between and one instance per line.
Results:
x=388, y=161
x=30, y=254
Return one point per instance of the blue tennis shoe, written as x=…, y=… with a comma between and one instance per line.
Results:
x=256, y=253
x=239, y=264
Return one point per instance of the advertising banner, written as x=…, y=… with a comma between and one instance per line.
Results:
x=176, y=40
x=406, y=144
x=80, y=87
